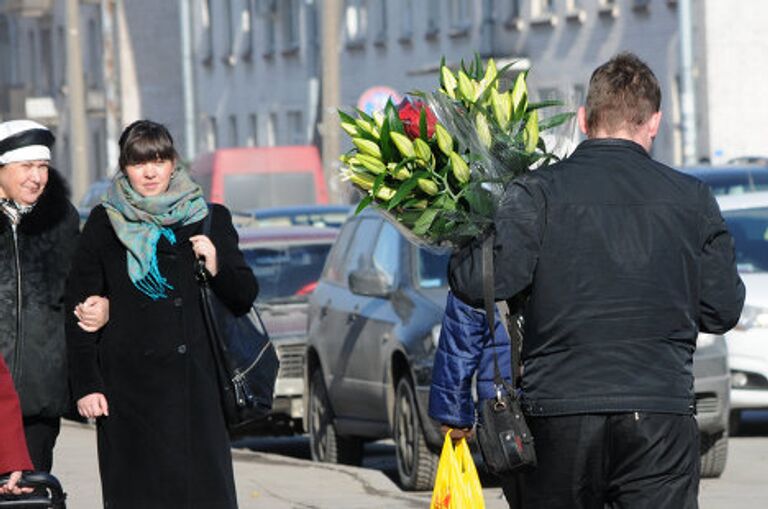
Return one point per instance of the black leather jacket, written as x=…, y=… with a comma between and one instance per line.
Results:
x=34, y=261
x=625, y=260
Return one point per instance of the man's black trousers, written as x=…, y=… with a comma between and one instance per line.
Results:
x=596, y=461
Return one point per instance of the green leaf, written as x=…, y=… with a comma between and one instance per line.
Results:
x=390, y=112
x=425, y=221
x=405, y=188
x=555, y=120
x=363, y=203
x=348, y=119
x=543, y=104
x=378, y=183
x=365, y=116
x=385, y=141
x=423, y=124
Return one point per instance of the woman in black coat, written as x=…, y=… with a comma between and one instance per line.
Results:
x=148, y=376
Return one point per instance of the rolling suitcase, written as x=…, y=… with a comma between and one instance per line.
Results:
x=47, y=494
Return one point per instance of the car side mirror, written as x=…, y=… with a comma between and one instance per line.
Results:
x=369, y=282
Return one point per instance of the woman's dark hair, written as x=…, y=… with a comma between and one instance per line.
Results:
x=144, y=141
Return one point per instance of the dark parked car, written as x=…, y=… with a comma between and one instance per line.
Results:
x=287, y=262
x=731, y=179
x=374, y=322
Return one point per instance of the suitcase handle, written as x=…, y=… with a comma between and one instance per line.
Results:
x=54, y=498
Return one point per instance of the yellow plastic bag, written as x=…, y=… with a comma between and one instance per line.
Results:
x=456, y=483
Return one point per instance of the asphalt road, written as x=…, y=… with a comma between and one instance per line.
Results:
x=275, y=473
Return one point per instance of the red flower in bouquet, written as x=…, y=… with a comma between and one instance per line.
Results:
x=410, y=115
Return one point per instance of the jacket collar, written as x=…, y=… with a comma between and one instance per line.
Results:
x=620, y=143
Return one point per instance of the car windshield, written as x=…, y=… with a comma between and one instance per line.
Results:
x=288, y=272
x=749, y=228
x=432, y=269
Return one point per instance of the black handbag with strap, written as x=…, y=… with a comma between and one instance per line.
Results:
x=246, y=360
x=505, y=441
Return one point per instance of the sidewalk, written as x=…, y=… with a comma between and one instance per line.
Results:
x=263, y=480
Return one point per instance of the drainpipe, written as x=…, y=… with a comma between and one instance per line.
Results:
x=687, y=89
x=188, y=81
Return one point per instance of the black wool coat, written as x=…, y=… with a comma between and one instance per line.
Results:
x=164, y=443
x=32, y=327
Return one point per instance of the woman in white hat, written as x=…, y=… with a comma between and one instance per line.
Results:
x=38, y=231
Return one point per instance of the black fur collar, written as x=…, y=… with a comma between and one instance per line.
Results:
x=51, y=209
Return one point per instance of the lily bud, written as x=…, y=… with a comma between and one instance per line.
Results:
x=428, y=186
x=459, y=168
x=444, y=140
x=466, y=87
x=449, y=81
x=371, y=163
x=519, y=97
x=403, y=144
x=422, y=150
x=367, y=147
x=483, y=130
x=531, y=132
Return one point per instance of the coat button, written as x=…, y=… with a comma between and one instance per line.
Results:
x=177, y=302
x=182, y=349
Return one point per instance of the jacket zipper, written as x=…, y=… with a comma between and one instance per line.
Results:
x=18, y=346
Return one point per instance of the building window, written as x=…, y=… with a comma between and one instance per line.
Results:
x=641, y=5
x=253, y=133
x=541, y=8
x=229, y=56
x=291, y=21
x=269, y=17
x=46, y=62
x=460, y=17
x=608, y=8
x=406, y=21
x=234, y=139
x=61, y=39
x=210, y=133
x=356, y=22
x=7, y=52
x=433, y=18
x=246, y=26
x=94, y=55
x=379, y=22
x=206, y=19
x=295, y=128
x=574, y=11
x=98, y=154
x=272, y=130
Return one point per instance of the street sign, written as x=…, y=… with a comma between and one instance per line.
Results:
x=375, y=98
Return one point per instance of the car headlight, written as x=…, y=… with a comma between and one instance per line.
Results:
x=435, y=334
x=753, y=317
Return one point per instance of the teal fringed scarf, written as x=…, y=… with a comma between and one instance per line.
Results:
x=139, y=222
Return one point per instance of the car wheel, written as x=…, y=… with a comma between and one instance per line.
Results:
x=325, y=445
x=714, y=453
x=416, y=464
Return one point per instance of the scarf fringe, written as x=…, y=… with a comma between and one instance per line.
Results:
x=153, y=284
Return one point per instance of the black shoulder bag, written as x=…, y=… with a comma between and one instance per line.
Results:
x=502, y=433
x=246, y=361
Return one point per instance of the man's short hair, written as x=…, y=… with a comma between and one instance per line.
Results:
x=623, y=94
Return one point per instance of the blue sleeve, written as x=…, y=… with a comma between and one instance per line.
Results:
x=456, y=360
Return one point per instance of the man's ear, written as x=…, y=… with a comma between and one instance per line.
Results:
x=653, y=124
x=581, y=118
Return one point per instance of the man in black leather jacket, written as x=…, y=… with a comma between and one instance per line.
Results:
x=625, y=261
